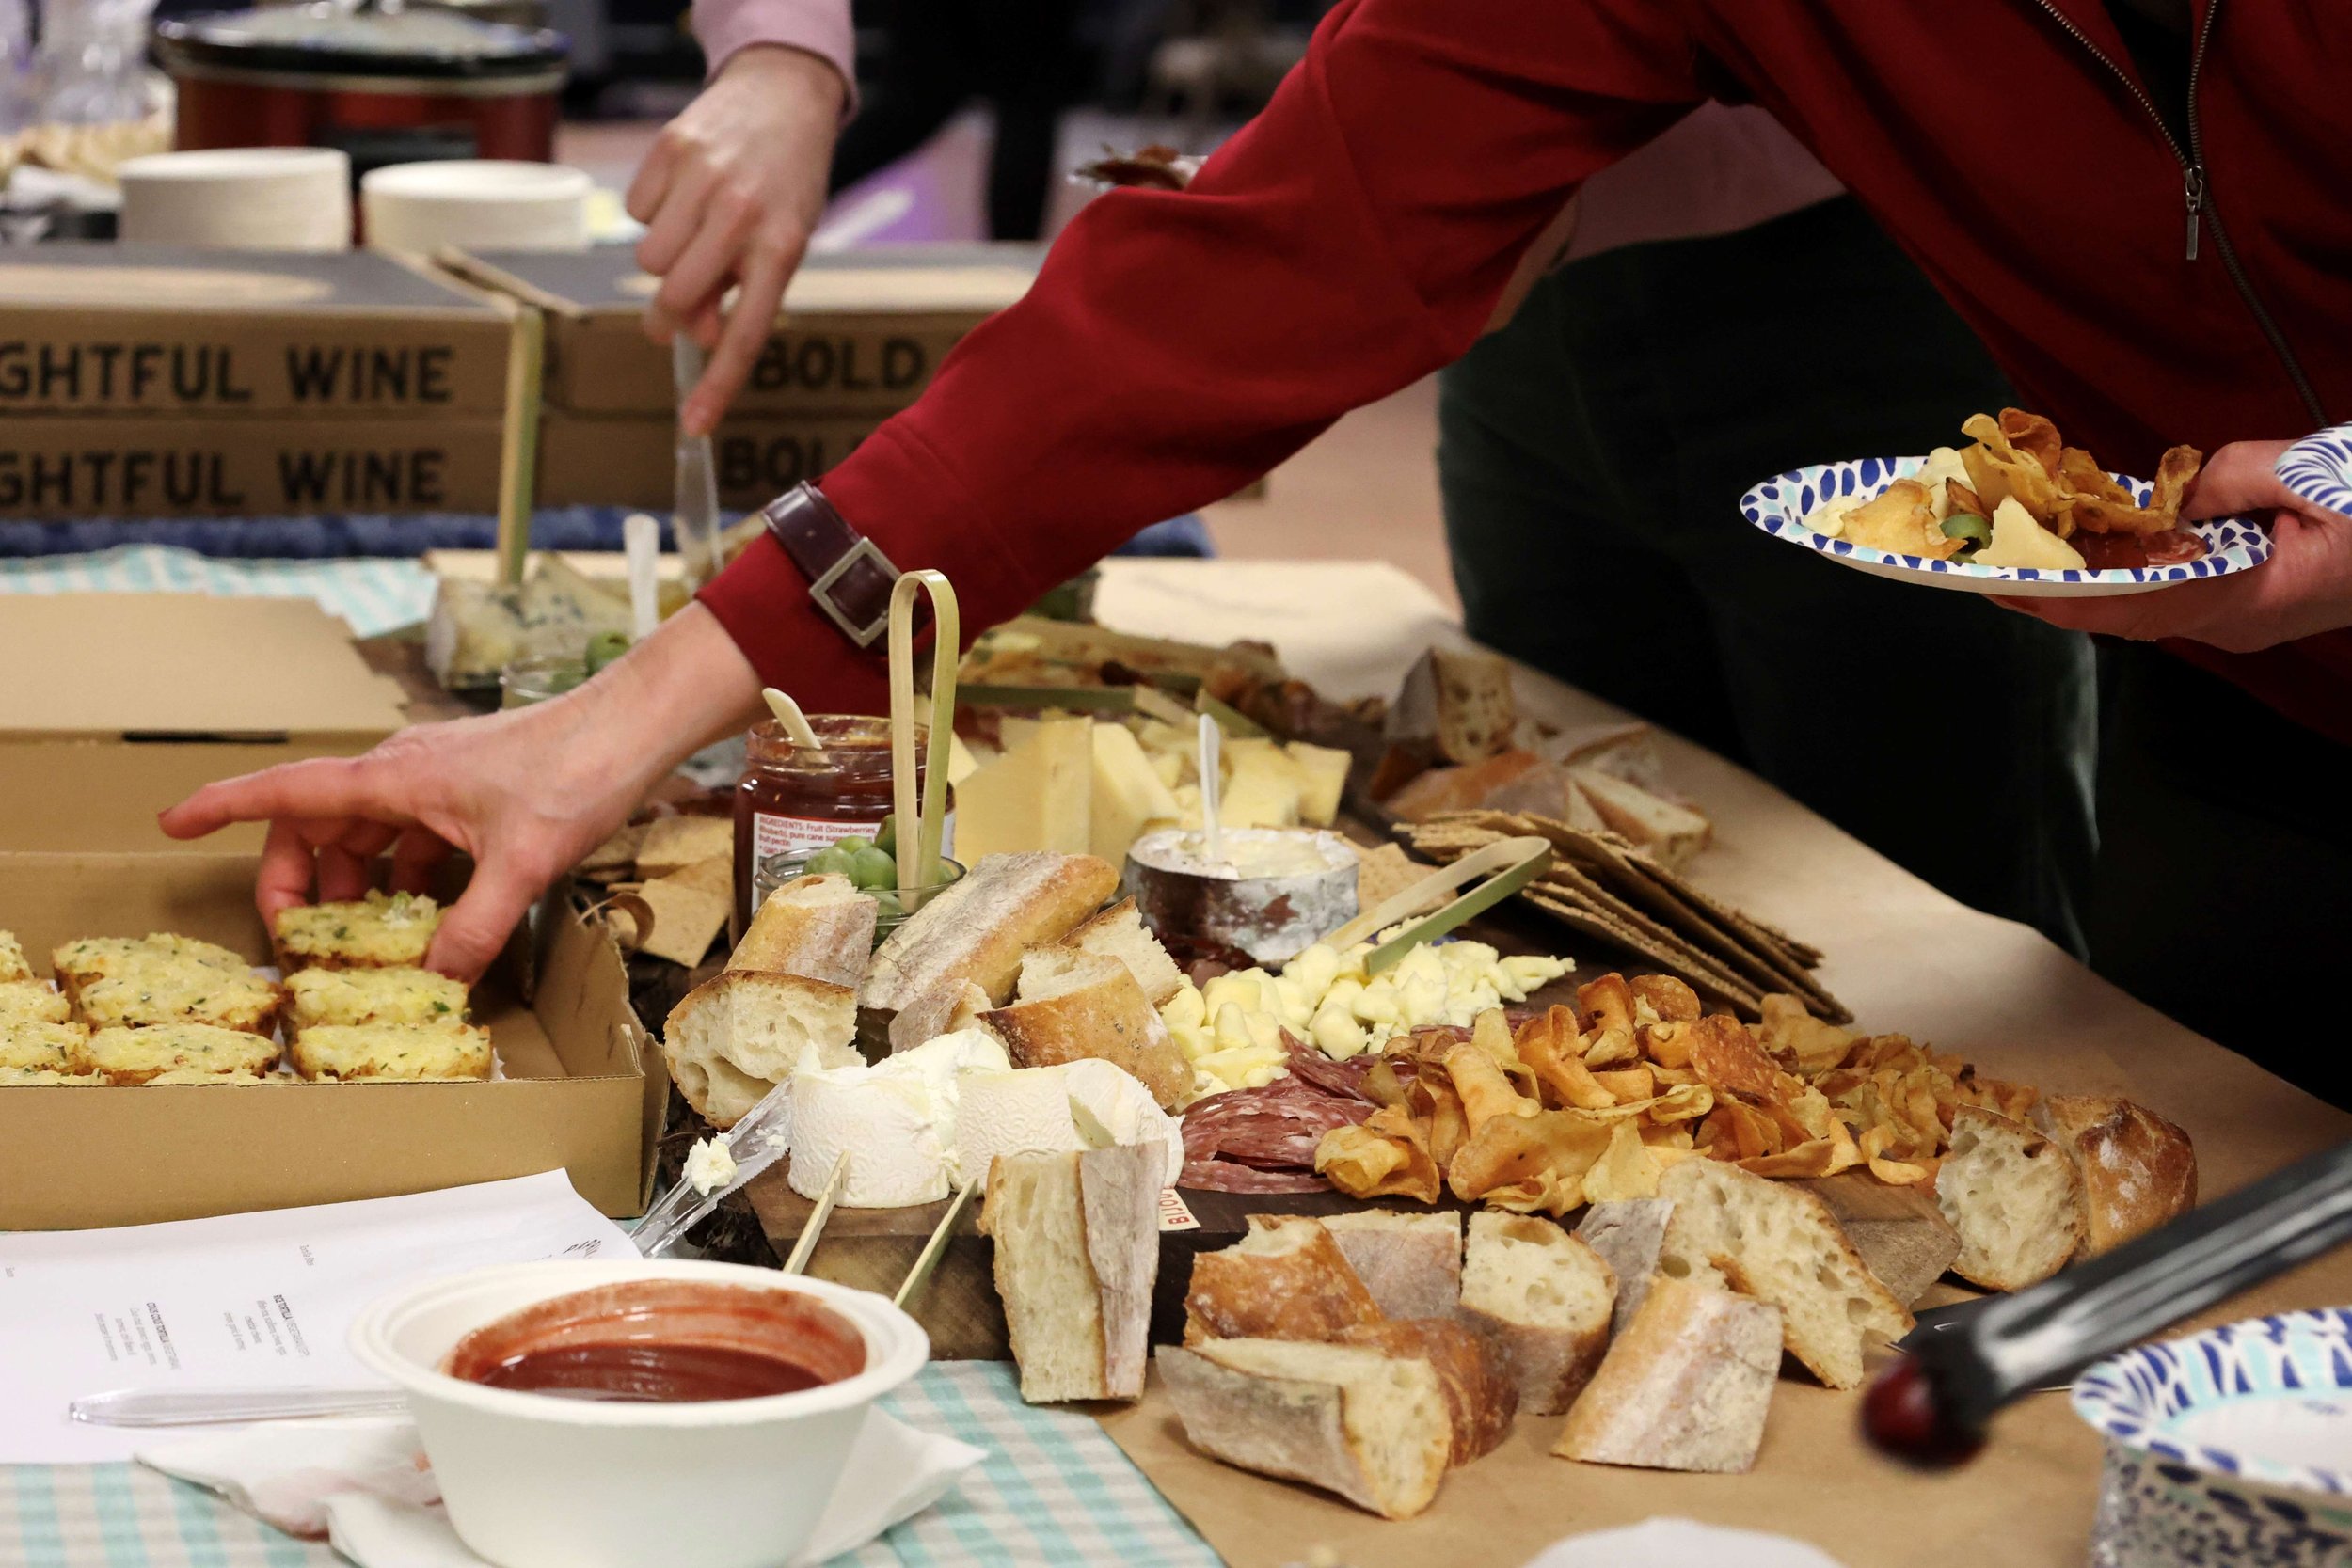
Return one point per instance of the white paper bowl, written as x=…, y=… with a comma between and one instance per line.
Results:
x=239, y=198
x=534, y=1481
x=477, y=203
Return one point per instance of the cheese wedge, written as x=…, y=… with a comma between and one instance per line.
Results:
x=896, y=1119
x=1127, y=796
x=1037, y=796
x=1262, y=786
x=2019, y=541
x=1322, y=777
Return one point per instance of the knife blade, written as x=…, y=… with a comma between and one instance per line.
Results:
x=694, y=520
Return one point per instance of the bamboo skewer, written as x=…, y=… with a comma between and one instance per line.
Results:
x=928, y=1258
x=806, y=1243
x=919, y=824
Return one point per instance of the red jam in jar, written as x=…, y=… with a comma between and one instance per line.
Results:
x=795, y=801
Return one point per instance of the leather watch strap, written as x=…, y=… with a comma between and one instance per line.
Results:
x=849, y=577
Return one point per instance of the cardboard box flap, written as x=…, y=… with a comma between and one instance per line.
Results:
x=173, y=279
x=884, y=281
x=172, y=666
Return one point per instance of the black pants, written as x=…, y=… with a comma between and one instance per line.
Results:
x=1592, y=456
x=1016, y=53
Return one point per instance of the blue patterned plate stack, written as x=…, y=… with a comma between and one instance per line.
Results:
x=2319, y=469
x=2231, y=1449
x=1779, y=507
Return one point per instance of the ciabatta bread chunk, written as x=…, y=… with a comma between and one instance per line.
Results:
x=821, y=927
x=1410, y=1262
x=1672, y=832
x=135, y=1055
x=316, y=996
x=1685, y=1386
x=1629, y=1233
x=2013, y=1196
x=166, y=988
x=1285, y=1279
x=1480, y=1399
x=93, y=958
x=1788, y=1249
x=1078, y=1243
x=743, y=1032
x=978, y=927
x=12, y=965
x=1078, y=1005
x=32, y=1002
x=1898, y=1232
x=2137, y=1170
x=1544, y=1297
x=380, y=931
x=42, y=1045
x=1459, y=701
x=1118, y=932
x=1368, y=1426
x=338, y=1052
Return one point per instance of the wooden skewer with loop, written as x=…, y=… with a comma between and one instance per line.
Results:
x=920, y=828
x=1508, y=865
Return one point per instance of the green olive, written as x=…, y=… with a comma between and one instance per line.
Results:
x=604, y=648
x=887, y=839
x=852, y=843
x=835, y=862
x=872, y=868
x=1968, y=526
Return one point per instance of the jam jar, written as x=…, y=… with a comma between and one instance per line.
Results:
x=795, y=801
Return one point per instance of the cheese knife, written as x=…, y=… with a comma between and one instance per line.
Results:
x=1934, y=1407
x=756, y=1142
x=696, y=519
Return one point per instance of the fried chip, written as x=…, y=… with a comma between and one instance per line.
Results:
x=1998, y=470
x=1553, y=1052
x=1385, y=1156
x=1672, y=999
x=1528, y=1163
x=2174, y=472
x=1605, y=1003
x=1625, y=1169
x=1800, y=1041
x=1900, y=521
x=1627, y=1084
x=1432, y=1099
x=1895, y=1173
x=1726, y=1058
x=1486, y=1093
x=1668, y=1045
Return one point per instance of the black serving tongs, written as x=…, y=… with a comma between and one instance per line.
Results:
x=1933, y=1406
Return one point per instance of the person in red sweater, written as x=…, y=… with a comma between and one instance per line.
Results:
x=2143, y=282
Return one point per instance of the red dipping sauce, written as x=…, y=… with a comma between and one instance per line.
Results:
x=2110, y=552
x=663, y=1341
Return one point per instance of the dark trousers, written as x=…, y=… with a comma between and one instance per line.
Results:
x=1016, y=53
x=1592, y=455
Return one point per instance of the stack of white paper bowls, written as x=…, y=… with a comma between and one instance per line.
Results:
x=477, y=204
x=240, y=198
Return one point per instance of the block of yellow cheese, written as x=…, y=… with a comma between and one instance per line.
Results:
x=1038, y=795
x=1128, y=795
x=1322, y=777
x=1262, y=786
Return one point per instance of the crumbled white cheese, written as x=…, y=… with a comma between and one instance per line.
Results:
x=709, y=1166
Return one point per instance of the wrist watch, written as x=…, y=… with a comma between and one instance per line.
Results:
x=848, y=575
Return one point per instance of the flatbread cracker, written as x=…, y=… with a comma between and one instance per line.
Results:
x=1701, y=978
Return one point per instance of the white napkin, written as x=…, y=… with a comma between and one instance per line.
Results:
x=366, y=1487
x=1673, y=1543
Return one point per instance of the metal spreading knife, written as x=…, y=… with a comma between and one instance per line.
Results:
x=696, y=519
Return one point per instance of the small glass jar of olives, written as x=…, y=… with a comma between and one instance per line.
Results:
x=794, y=801
x=873, y=866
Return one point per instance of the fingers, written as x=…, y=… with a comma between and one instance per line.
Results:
x=285, y=876
x=744, y=339
x=652, y=183
x=477, y=926
x=418, y=854
x=671, y=231
x=2242, y=477
x=320, y=788
x=708, y=263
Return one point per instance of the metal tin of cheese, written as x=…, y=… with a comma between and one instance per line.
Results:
x=1275, y=891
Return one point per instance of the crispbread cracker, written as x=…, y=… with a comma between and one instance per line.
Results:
x=1703, y=978
x=1383, y=873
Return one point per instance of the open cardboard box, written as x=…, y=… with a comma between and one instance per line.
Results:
x=125, y=702
x=583, y=1088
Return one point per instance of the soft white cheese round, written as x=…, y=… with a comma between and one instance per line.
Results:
x=1273, y=892
x=1021, y=1112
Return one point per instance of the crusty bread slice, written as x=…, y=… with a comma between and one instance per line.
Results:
x=743, y=1032
x=2137, y=1170
x=2013, y=1196
x=1118, y=932
x=1671, y=831
x=340, y=1051
x=380, y=931
x=1544, y=1297
x=1410, y=1262
x=821, y=927
x=316, y=996
x=1790, y=1251
x=1285, y=1279
x=135, y=1055
x=47, y=1078
x=41, y=1045
x=1077, y=1248
x=1075, y=1005
x=164, y=988
x=79, y=963
x=1480, y=1399
x=1458, y=700
x=12, y=965
x=1685, y=1386
x=1369, y=1426
x=32, y=1002
x=1628, y=1233
x=977, y=929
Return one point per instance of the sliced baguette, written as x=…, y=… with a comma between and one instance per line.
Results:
x=1118, y=932
x=1480, y=1399
x=1670, y=831
x=979, y=927
x=1077, y=1248
x=1544, y=1298
x=2013, y=1196
x=2137, y=1170
x=1077, y=1005
x=1369, y=1426
x=1788, y=1246
x=1410, y=1262
x=1459, y=701
x=1628, y=1233
x=743, y=1032
x=1285, y=1279
x=819, y=927
x=1685, y=1386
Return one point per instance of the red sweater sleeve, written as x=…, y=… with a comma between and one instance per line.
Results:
x=1350, y=240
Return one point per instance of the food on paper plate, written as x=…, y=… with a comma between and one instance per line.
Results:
x=1686, y=1385
x=382, y=930
x=1369, y=1425
x=1071, y=1006
x=1286, y=1280
x=1155, y=167
x=127, y=1055
x=1411, y=1263
x=1078, y=1250
x=2137, y=1169
x=2019, y=496
x=1267, y=893
x=353, y=996
x=2013, y=1196
x=1777, y=1242
x=1544, y=1298
x=341, y=1052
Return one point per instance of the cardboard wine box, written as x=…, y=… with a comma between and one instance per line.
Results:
x=862, y=331
x=127, y=329
x=631, y=460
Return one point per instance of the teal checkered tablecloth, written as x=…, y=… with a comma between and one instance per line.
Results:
x=1055, y=1490
x=373, y=595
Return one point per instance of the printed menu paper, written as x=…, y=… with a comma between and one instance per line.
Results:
x=242, y=1301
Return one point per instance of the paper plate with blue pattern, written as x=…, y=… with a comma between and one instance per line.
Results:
x=2318, y=468
x=2231, y=1446
x=1780, y=505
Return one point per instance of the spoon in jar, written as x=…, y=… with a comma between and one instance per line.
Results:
x=795, y=722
